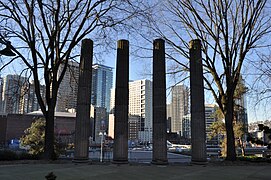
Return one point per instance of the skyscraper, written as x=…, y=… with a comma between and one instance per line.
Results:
x=179, y=107
x=67, y=93
x=102, y=82
x=140, y=104
x=29, y=101
x=13, y=90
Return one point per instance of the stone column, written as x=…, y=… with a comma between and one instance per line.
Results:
x=82, y=126
x=120, y=152
x=159, y=155
x=198, y=127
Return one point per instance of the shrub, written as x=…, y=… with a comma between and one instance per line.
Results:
x=8, y=155
x=27, y=156
x=254, y=159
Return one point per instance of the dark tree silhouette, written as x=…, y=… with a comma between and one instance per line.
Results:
x=228, y=30
x=44, y=34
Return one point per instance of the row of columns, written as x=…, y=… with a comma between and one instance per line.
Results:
x=120, y=151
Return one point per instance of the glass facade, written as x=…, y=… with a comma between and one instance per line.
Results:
x=102, y=82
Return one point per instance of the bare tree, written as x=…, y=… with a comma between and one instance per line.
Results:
x=260, y=86
x=44, y=34
x=228, y=30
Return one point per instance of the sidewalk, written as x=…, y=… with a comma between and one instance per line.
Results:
x=108, y=171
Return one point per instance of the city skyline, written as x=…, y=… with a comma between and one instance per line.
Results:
x=253, y=113
x=142, y=70
x=102, y=79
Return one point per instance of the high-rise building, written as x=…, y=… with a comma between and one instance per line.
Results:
x=140, y=104
x=29, y=101
x=67, y=93
x=102, y=82
x=179, y=107
x=133, y=127
x=186, y=126
x=140, y=108
x=13, y=89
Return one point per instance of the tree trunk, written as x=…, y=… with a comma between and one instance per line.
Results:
x=49, y=134
x=231, y=154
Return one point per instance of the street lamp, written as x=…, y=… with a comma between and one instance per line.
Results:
x=102, y=134
x=7, y=51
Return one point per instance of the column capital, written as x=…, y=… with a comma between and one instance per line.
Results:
x=195, y=44
x=123, y=43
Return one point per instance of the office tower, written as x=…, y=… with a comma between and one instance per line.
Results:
x=102, y=82
x=179, y=107
x=140, y=104
x=140, y=110
x=186, y=126
x=13, y=90
x=67, y=93
x=29, y=101
x=133, y=127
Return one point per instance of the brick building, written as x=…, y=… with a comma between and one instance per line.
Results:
x=12, y=126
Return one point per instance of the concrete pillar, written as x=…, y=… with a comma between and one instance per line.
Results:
x=198, y=127
x=159, y=155
x=82, y=126
x=120, y=151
